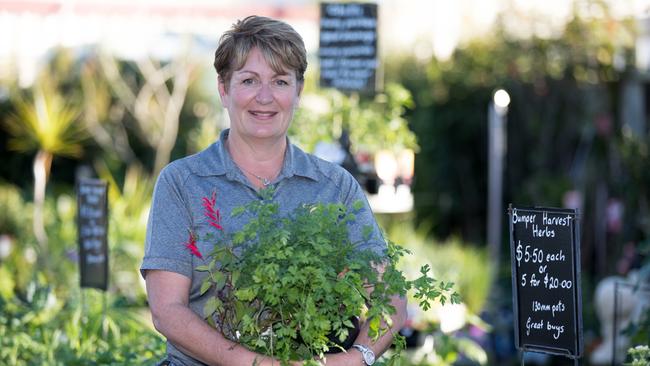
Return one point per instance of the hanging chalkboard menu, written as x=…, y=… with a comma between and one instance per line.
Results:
x=348, y=46
x=544, y=246
x=92, y=227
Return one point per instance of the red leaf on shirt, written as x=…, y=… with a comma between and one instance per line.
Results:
x=191, y=245
x=211, y=212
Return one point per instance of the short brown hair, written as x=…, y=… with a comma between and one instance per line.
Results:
x=282, y=47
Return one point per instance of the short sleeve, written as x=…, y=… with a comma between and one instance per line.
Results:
x=168, y=228
x=364, y=218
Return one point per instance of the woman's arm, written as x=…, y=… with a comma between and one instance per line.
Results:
x=168, y=295
x=353, y=356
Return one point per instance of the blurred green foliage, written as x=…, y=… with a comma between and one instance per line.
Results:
x=12, y=207
x=45, y=120
x=640, y=356
x=39, y=328
x=469, y=269
x=374, y=123
x=43, y=319
x=466, y=266
x=564, y=129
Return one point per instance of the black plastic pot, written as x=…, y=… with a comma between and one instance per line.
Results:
x=349, y=341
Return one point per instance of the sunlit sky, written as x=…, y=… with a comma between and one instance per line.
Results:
x=131, y=29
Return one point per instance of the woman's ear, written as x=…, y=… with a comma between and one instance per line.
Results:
x=221, y=85
x=301, y=85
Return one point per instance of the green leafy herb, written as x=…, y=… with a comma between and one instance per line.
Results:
x=289, y=287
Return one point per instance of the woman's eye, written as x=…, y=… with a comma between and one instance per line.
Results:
x=281, y=82
x=250, y=81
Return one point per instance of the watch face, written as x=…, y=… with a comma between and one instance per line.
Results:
x=369, y=357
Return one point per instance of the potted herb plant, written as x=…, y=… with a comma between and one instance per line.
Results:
x=294, y=287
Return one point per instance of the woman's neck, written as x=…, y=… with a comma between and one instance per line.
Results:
x=259, y=160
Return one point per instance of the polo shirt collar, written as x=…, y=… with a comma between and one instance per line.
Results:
x=217, y=161
x=299, y=163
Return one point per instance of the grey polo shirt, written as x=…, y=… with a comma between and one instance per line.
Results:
x=177, y=209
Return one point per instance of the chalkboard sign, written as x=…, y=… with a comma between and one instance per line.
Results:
x=92, y=226
x=348, y=46
x=544, y=247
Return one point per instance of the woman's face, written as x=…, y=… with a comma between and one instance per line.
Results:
x=260, y=101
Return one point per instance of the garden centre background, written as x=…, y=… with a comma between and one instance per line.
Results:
x=129, y=86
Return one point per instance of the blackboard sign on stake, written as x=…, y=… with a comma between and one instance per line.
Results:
x=348, y=46
x=92, y=229
x=547, y=299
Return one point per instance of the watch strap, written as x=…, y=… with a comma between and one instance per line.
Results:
x=366, y=353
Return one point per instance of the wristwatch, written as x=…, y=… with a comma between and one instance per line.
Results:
x=367, y=353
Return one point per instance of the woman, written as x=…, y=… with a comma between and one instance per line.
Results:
x=260, y=64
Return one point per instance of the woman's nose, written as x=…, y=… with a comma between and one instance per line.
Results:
x=264, y=94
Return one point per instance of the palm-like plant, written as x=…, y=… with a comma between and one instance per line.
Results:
x=44, y=121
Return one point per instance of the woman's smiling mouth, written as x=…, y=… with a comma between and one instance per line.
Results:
x=263, y=114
